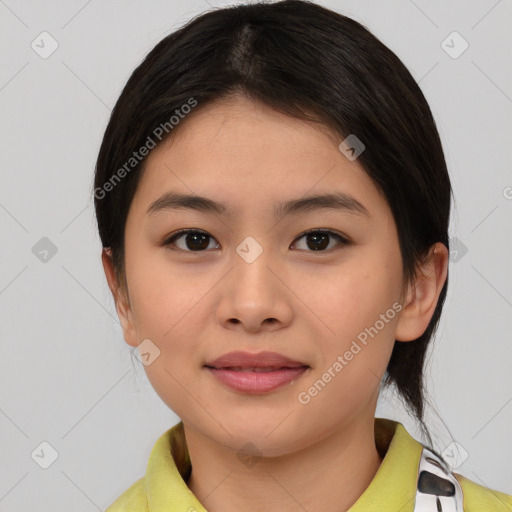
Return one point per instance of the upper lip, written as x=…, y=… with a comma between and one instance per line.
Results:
x=250, y=360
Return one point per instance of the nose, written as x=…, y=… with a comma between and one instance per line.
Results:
x=255, y=296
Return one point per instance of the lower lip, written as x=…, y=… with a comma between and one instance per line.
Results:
x=257, y=382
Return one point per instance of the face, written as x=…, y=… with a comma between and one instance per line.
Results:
x=248, y=277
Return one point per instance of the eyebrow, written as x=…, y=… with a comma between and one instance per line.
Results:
x=331, y=201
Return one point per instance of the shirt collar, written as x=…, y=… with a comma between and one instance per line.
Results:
x=392, y=489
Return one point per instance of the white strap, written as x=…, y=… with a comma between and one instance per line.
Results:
x=437, y=489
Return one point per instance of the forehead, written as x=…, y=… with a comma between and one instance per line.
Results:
x=238, y=153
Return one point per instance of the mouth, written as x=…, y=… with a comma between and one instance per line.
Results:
x=255, y=373
x=256, y=379
x=257, y=369
x=245, y=360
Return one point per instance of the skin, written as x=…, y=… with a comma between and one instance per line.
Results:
x=196, y=306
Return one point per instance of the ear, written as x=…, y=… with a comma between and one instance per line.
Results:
x=423, y=294
x=121, y=300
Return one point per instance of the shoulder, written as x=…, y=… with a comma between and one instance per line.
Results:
x=132, y=500
x=478, y=498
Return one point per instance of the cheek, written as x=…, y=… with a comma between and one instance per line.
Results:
x=167, y=307
x=165, y=297
x=360, y=308
x=351, y=297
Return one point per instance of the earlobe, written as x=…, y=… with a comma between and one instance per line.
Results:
x=121, y=302
x=423, y=294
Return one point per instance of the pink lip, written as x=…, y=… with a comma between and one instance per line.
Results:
x=256, y=382
x=249, y=360
x=255, y=373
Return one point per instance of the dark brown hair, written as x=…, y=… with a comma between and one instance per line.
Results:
x=312, y=63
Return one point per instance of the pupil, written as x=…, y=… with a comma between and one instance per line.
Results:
x=196, y=239
x=318, y=237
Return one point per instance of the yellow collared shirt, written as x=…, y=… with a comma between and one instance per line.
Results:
x=410, y=479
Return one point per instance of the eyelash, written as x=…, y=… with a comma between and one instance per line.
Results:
x=170, y=240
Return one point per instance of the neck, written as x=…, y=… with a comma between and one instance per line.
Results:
x=328, y=475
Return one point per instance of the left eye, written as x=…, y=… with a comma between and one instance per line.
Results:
x=197, y=241
x=319, y=240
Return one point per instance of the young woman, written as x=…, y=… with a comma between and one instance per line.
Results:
x=273, y=202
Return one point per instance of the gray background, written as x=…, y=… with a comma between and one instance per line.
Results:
x=67, y=376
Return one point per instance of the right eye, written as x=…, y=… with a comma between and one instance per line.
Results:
x=193, y=241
